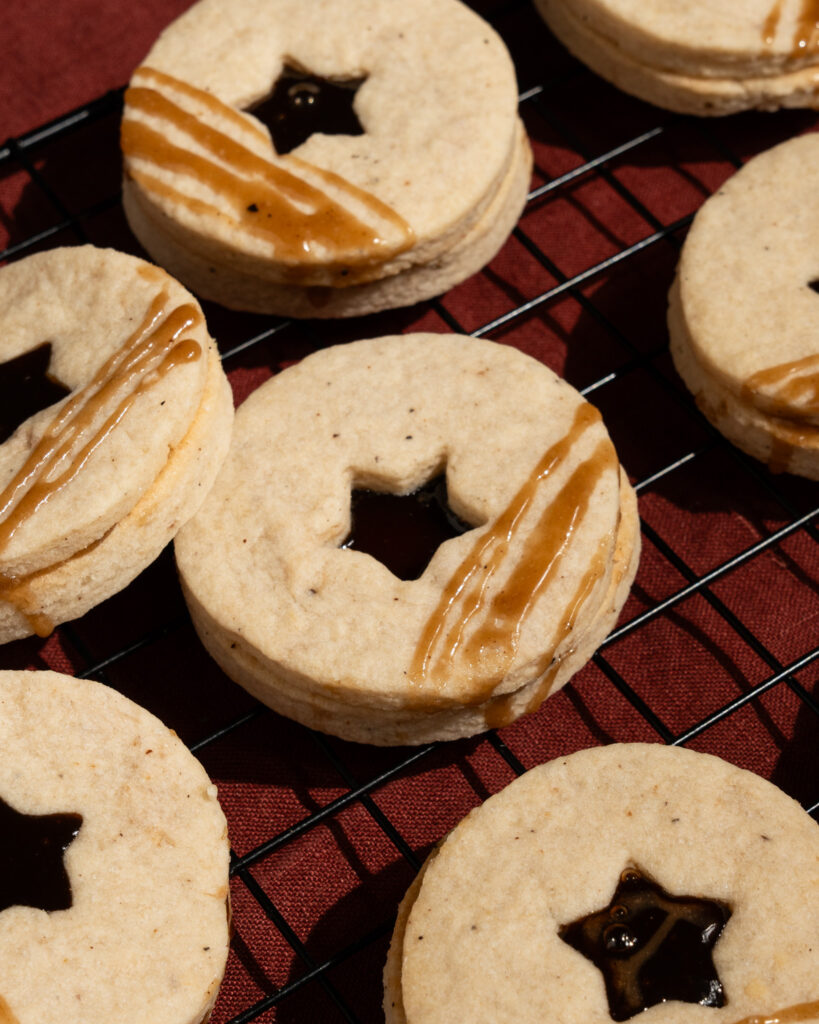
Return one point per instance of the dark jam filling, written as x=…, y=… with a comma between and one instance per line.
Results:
x=403, y=531
x=302, y=104
x=26, y=388
x=32, y=873
x=652, y=947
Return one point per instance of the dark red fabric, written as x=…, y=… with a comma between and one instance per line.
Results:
x=335, y=885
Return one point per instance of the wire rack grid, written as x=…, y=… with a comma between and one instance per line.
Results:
x=716, y=647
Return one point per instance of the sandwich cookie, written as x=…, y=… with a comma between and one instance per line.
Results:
x=324, y=159
x=697, y=56
x=413, y=538
x=744, y=308
x=628, y=882
x=115, y=417
x=114, y=855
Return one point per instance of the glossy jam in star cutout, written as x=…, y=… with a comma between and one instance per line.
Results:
x=652, y=947
x=302, y=104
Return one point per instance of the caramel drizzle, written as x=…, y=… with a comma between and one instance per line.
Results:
x=806, y=34
x=787, y=1015
x=6, y=1016
x=84, y=422
x=807, y=28
x=772, y=23
x=500, y=711
x=796, y=387
x=500, y=617
x=268, y=200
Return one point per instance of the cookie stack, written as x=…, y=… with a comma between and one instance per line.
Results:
x=744, y=308
x=114, y=891
x=618, y=880
x=293, y=603
x=324, y=159
x=116, y=415
x=700, y=56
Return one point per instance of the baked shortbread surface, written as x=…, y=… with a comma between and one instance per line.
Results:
x=95, y=486
x=331, y=636
x=442, y=148
x=477, y=934
x=743, y=313
x=696, y=56
x=146, y=935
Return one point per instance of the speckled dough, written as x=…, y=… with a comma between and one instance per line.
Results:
x=82, y=513
x=477, y=934
x=742, y=314
x=330, y=636
x=443, y=156
x=697, y=56
x=146, y=935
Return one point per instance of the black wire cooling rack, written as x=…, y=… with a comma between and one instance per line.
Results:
x=716, y=648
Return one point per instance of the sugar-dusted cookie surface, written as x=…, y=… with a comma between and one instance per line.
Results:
x=692, y=882
x=113, y=900
x=407, y=175
x=697, y=56
x=501, y=615
x=745, y=304
x=116, y=415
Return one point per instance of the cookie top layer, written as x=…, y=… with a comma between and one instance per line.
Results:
x=130, y=345
x=438, y=106
x=745, y=281
x=481, y=941
x=528, y=463
x=145, y=935
x=727, y=38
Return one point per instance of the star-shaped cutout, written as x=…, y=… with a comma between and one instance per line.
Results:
x=302, y=104
x=652, y=947
x=32, y=873
x=26, y=388
x=403, y=531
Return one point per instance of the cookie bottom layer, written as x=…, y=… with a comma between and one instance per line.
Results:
x=784, y=445
x=685, y=94
x=242, y=291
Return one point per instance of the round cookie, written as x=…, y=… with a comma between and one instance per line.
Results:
x=502, y=614
x=115, y=855
x=115, y=415
x=744, y=307
x=697, y=56
x=505, y=921
x=406, y=177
